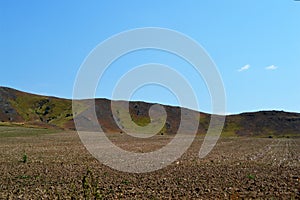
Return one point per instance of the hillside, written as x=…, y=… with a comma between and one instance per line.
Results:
x=20, y=108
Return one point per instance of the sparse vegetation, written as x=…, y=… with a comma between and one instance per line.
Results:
x=23, y=109
x=24, y=158
x=90, y=186
x=20, y=131
x=125, y=182
x=250, y=176
x=23, y=177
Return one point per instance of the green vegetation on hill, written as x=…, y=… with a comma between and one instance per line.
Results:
x=50, y=110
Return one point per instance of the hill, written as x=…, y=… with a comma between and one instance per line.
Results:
x=24, y=109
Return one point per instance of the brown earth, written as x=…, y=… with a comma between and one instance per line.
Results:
x=59, y=167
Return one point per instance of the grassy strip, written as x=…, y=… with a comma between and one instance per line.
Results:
x=17, y=131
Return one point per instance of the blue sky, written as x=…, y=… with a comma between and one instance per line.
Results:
x=255, y=45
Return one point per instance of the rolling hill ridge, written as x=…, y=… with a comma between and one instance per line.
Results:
x=24, y=109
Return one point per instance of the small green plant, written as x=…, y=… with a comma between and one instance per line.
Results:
x=24, y=176
x=250, y=176
x=125, y=182
x=24, y=158
x=90, y=186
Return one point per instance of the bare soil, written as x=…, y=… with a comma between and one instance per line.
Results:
x=59, y=167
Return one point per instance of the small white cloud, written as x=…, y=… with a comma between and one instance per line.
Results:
x=246, y=67
x=271, y=67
